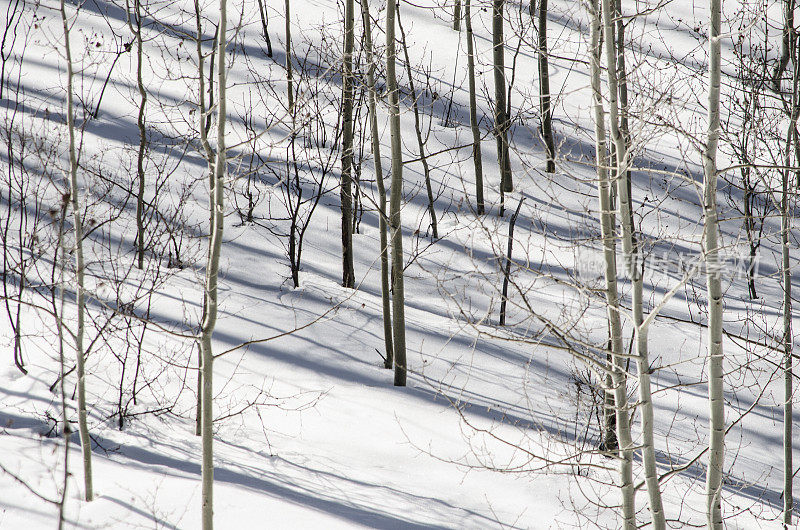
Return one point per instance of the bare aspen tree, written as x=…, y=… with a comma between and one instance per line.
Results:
x=376, y=153
x=210, y=105
x=135, y=25
x=292, y=168
x=217, y=205
x=288, y=45
x=632, y=264
x=607, y=231
x=202, y=115
x=346, y=189
x=58, y=312
x=473, y=111
x=609, y=441
x=395, y=202
x=500, y=102
x=507, y=266
x=618, y=30
x=418, y=130
x=743, y=128
x=8, y=38
x=80, y=294
x=786, y=274
x=15, y=181
x=545, y=110
x=786, y=43
x=265, y=27
x=716, y=444
x=622, y=82
x=457, y=16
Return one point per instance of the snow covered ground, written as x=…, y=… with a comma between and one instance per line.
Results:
x=497, y=427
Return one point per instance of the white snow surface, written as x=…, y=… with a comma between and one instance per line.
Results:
x=497, y=427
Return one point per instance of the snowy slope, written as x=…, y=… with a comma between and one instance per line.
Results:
x=497, y=426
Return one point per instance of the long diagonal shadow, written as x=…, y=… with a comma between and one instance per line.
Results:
x=312, y=495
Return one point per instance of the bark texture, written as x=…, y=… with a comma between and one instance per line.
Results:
x=136, y=28
x=398, y=298
x=607, y=229
x=716, y=447
x=473, y=112
x=545, y=109
x=786, y=270
x=80, y=294
x=500, y=102
x=217, y=205
x=634, y=271
x=382, y=217
x=346, y=187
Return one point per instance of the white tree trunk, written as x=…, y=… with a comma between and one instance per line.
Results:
x=715, y=354
x=398, y=298
x=217, y=205
x=209, y=154
x=376, y=153
x=58, y=310
x=632, y=265
x=618, y=376
x=80, y=295
x=786, y=274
